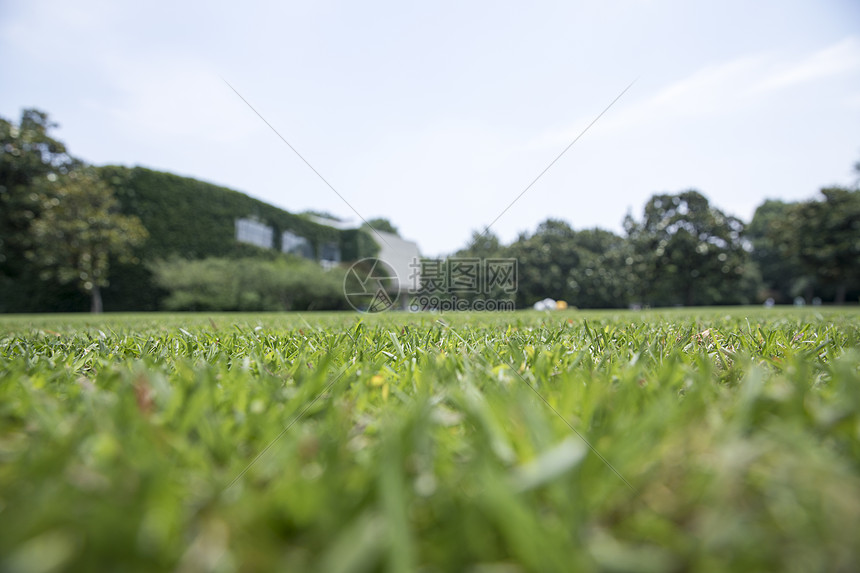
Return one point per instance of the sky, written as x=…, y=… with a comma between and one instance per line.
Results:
x=438, y=115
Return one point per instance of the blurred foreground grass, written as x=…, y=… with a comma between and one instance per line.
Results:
x=720, y=439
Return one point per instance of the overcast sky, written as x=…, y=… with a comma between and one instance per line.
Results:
x=437, y=115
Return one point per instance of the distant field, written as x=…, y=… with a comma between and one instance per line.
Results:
x=685, y=439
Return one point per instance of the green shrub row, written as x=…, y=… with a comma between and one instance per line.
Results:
x=248, y=284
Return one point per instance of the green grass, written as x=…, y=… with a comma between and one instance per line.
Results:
x=711, y=439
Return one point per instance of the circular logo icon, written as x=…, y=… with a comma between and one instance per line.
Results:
x=371, y=285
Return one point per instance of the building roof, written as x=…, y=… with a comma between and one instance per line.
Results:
x=400, y=254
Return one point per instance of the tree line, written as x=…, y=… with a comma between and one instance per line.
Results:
x=68, y=228
x=685, y=251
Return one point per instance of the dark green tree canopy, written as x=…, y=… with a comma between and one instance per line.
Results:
x=604, y=277
x=481, y=244
x=546, y=260
x=80, y=229
x=28, y=153
x=688, y=251
x=778, y=263
x=587, y=269
x=823, y=236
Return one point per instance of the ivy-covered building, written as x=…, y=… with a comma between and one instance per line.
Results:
x=194, y=219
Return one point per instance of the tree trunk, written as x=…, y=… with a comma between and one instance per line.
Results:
x=96, y=300
x=840, y=294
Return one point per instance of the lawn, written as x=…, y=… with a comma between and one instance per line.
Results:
x=681, y=440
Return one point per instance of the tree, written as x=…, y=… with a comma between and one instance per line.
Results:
x=688, y=252
x=545, y=261
x=28, y=153
x=603, y=277
x=774, y=253
x=588, y=269
x=482, y=245
x=79, y=229
x=824, y=235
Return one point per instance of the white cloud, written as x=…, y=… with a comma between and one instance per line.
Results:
x=717, y=91
x=838, y=59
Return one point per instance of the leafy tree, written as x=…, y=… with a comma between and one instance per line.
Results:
x=482, y=245
x=588, y=269
x=28, y=153
x=546, y=261
x=79, y=229
x=824, y=236
x=688, y=252
x=775, y=253
x=603, y=277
